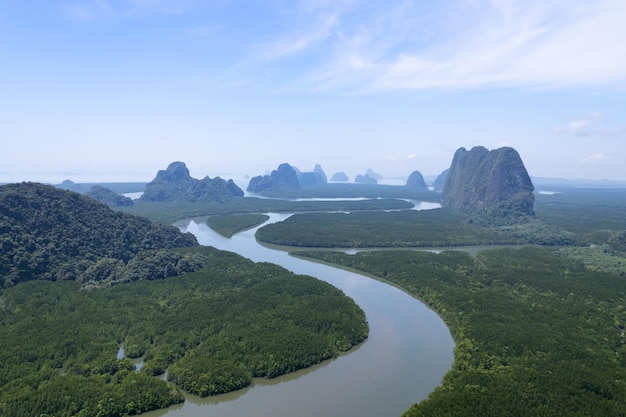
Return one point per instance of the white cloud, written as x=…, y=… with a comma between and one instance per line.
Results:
x=595, y=157
x=482, y=43
x=576, y=128
x=295, y=42
x=588, y=126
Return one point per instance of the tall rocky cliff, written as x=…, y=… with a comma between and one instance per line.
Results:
x=489, y=183
x=282, y=179
x=314, y=178
x=175, y=184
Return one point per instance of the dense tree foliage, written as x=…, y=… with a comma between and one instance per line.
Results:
x=48, y=233
x=229, y=224
x=439, y=227
x=535, y=334
x=169, y=212
x=594, y=215
x=213, y=330
x=597, y=258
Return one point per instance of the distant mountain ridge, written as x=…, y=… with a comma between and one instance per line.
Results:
x=489, y=183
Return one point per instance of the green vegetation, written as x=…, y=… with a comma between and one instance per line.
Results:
x=52, y=234
x=535, y=334
x=538, y=331
x=168, y=212
x=213, y=329
x=594, y=215
x=229, y=224
x=351, y=190
x=597, y=258
x=220, y=322
x=409, y=228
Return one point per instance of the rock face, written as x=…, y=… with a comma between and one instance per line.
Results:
x=365, y=179
x=370, y=173
x=340, y=177
x=440, y=181
x=312, y=179
x=109, y=197
x=416, y=181
x=282, y=179
x=492, y=183
x=175, y=184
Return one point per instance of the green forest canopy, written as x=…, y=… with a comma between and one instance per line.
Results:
x=212, y=319
x=213, y=329
x=535, y=334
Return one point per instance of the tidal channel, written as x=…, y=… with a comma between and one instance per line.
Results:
x=408, y=351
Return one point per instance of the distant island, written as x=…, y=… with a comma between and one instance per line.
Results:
x=340, y=177
x=108, y=196
x=175, y=184
x=365, y=179
x=287, y=178
x=416, y=181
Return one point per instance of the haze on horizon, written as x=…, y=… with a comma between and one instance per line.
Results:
x=115, y=90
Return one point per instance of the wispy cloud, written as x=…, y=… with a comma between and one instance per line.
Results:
x=461, y=45
x=595, y=158
x=589, y=125
x=310, y=23
x=575, y=127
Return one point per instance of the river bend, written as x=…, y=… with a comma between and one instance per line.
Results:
x=408, y=351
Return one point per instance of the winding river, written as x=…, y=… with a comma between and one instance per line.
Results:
x=408, y=351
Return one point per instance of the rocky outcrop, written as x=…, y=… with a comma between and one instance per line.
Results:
x=489, y=183
x=175, y=184
x=312, y=179
x=321, y=175
x=365, y=179
x=109, y=197
x=370, y=173
x=440, y=181
x=416, y=181
x=282, y=179
x=340, y=177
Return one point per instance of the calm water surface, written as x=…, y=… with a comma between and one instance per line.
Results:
x=408, y=351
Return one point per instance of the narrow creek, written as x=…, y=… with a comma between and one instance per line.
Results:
x=408, y=351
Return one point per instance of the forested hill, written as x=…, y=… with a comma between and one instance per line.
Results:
x=48, y=233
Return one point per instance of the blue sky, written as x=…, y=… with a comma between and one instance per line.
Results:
x=114, y=90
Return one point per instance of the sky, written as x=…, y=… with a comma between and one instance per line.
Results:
x=115, y=90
